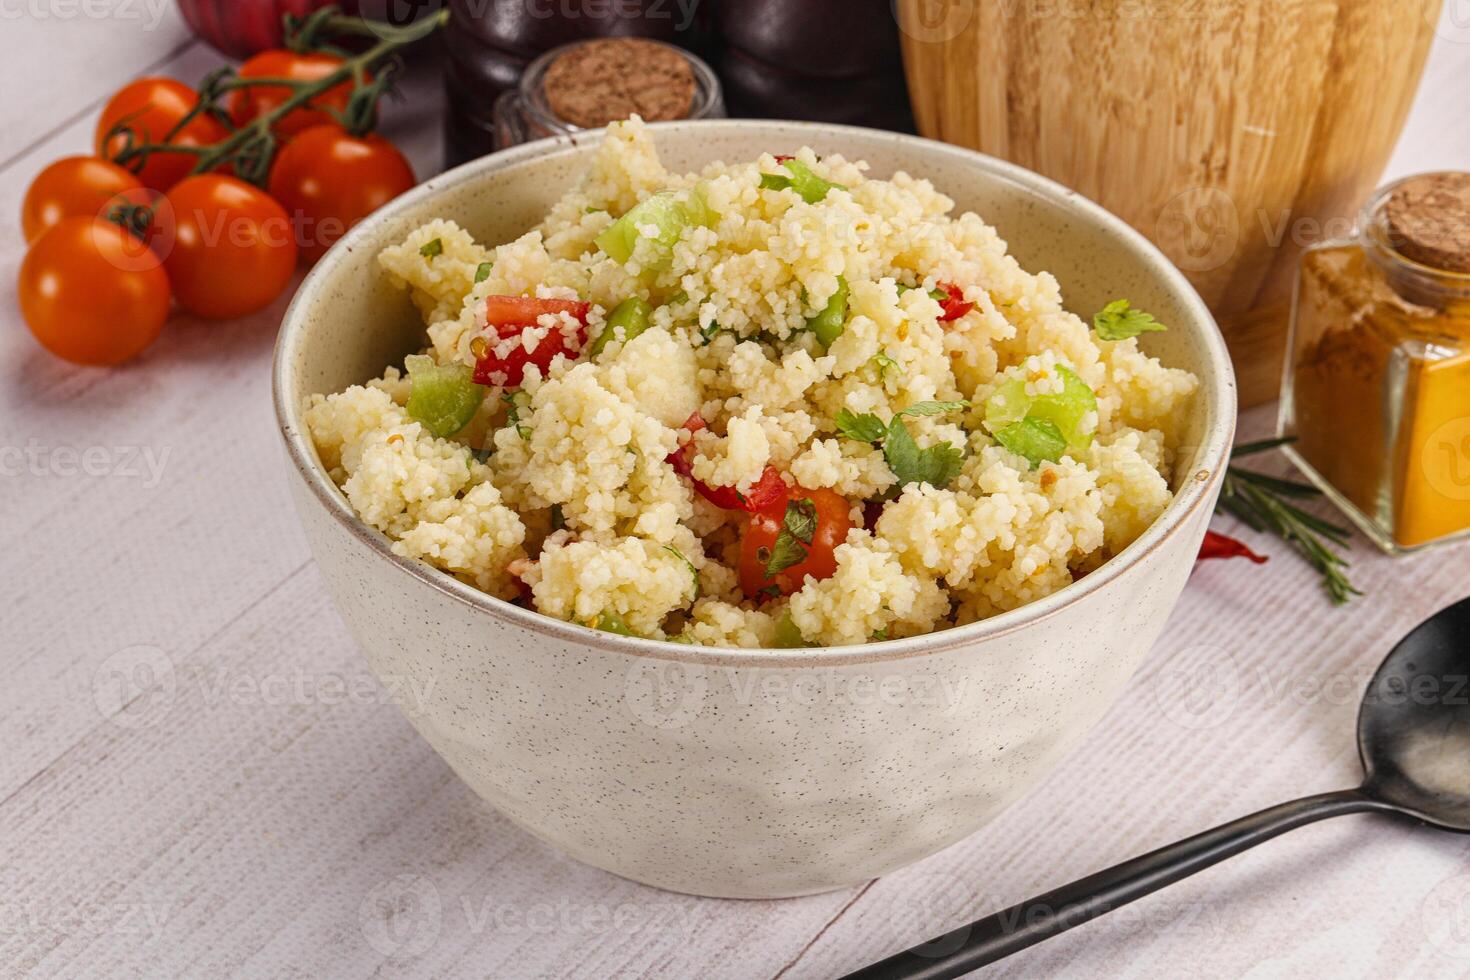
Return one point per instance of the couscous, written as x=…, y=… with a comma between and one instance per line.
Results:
x=774, y=403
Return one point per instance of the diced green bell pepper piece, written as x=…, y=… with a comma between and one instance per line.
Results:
x=668, y=214
x=611, y=622
x=631, y=315
x=829, y=323
x=803, y=180
x=442, y=398
x=1067, y=410
x=788, y=637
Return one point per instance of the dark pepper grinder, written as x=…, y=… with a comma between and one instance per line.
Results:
x=822, y=60
x=489, y=43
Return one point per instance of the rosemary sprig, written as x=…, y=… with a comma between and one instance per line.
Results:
x=1263, y=503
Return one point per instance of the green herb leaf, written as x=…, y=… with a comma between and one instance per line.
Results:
x=919, y=409
x=707, y=334
x=692, y=570
x=774, y=182
x=797, y=529
x=1119, y=321
x=432, y=248
x=863, y=428
x=936, y=466
x=1038, y=440
x=801, y=519
x=1261, y=503
x=513, y=415
x=482, y=271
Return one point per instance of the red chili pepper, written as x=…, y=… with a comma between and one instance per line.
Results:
x=513, y=315
x=953, y=304
x=1220, y=546
x=783, y=157
x=766, y=491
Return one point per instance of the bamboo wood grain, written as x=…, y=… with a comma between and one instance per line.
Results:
x=1231, y=132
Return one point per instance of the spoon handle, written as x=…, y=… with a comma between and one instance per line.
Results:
x=1003, y=933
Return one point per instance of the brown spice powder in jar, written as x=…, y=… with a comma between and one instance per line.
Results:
x=606, y=80
x=1381, y=362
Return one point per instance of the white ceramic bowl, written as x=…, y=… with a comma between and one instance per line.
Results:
x=731, y=772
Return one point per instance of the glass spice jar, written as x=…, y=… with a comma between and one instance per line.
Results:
x=1377, y=386
x=588, y=84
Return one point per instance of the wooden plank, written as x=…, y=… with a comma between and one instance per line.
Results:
x=63, y=57
x=145, y=505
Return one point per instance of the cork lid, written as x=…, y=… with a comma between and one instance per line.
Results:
x=1428, y=221
x=602, y=81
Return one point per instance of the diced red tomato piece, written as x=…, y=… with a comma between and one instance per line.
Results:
x=759, y=541
x=953, y=304
x=783, y=157
x=766, y=490
x=513, y=315
x=523, y=310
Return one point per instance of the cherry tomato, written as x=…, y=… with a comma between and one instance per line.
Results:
x=328, y=181
x=75, y=187
x=953, y=304
x=92, y=293
x=513, y=315
x=247, y=104
x=758, y=544
x=152, y=107
x=233, y=250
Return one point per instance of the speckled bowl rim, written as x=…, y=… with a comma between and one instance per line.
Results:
x=1197, y=489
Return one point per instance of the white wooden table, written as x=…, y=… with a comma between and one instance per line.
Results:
x=261, y=810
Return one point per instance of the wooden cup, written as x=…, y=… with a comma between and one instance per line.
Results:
x=1233, y=133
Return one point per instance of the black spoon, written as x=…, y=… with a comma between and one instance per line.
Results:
x=1414, y=739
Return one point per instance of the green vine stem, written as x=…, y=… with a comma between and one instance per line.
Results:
x=252, y=147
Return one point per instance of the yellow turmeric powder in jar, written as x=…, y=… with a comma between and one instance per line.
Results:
x=1377, y=388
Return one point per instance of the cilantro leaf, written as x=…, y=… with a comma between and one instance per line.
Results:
x=692, y=570
x=1038, y=440
x=482, y=271
x=797, y=529
x=1119, y=321
x=513, y=415
x=801, y=519
x=919, y=409
x=935, y=466
x=863, y=428
x=432, y=248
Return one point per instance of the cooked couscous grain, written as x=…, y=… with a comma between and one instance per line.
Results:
x=842, y=416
